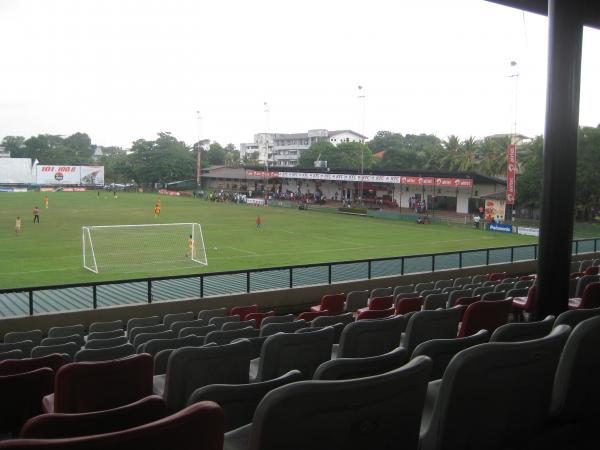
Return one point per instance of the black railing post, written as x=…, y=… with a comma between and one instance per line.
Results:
x=329, y=273
x=94, y=297
x=433, y=263
x=402, y=266
x=291, y=277
x=248, y=281
x=512, y=254
x=149, y=291
x=577, y=247
x=460, y=255
x=201, y=286
x=487, y=256
x=535, y=251
x=369, y=270
x=595, y=240
x=31, y=302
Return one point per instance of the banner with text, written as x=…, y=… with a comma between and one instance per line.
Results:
x=58, y=175
x=511, y=174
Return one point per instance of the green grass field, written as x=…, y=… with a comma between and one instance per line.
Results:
x=50, y=252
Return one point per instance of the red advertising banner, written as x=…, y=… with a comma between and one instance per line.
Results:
x=511, y=174
x=261, y=173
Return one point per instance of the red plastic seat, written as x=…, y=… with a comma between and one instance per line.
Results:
x=243, y=311
x=406, y=305
x=484, y=316
x=590, y=299
x=310, y=315
x=592, y=270
x=497, y=276
x=60, y=425
x=525, y=303
x=527, y=277
x=334, y=303
x=22, y=395
x=466, y=301
x=199, y=426
x=95, y=386
x=378, y=303
x=375, y=313
x=14, y=366
x=258, y=317
x=574, y=275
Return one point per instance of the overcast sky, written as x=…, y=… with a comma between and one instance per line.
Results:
x=121, y=70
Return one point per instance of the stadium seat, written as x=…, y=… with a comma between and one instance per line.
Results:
x=378, y=303
x=406, y=305
x=481, y=278
x=514, y=292
x=154, y=346
x=142, y=338
x=12, y=354
x=420, y=287
x=471, y=286
x=76, y=338
x=243, y=311
x=497, y=276
x=268, y=329
x=461, y=281
x=105, y=335
x=199, y=426
x=375, y=314
x=575, y=316
x=490, y=283
x=106, y=343
x=435, y=301
x=332, y=303
x=493, y=296
x=60, y=425
x=590, y=298
x=479, y=291
x=385, y=413
x=582, y=283
x=325, y=321
x=102, y=327
x=190, y=368
x=222, y=337
x=25, y=346
x=441, y=284
x=133, y=333
x=380, y=292
x=13, y=367
x=575, y=266
x=219, y=321
x=258, y=317
x=524, y=331
x=356, y=300
x=228, y=326
x=348, y=368
x=576, y=275
x=197, y=331
x=239, y=401
x=294, y=351
x=441, y=351
x=503, y=287
x=455, y=295
x=256, y=345
x=69, y=349
x=22, y=395
x=466, y=301
x=524, y=304
x=402, y=295
x=34, y=336
x=170, y=319
x=426, y=325
x=104, y=354
x=176, y=327
x=521, y=284
x=403, y=289
x=207, y=314
x=136, y=322
x=590, y=270
x=484, y=316
x=86, y=387
x=66, y=331
x=371, y=337
x=278, y=319
x=513, y=385
x=308, y=316
x=527, y=278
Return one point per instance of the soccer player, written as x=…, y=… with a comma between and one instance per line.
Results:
x=36, y=215
x=190, y=247
x=18, y=226
x=156, y=211
x=46, y=201
x=258, y=222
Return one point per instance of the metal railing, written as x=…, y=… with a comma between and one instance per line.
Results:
x=55, y=298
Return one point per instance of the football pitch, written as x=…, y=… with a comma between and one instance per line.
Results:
x=51, y=252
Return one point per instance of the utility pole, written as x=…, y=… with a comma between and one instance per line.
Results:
x=199, y=153
x=362, y=99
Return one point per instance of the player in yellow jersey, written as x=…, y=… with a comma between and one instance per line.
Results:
x=190, y=244
x=46, y=201
x=156, y=211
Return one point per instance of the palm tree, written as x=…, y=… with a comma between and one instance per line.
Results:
x=451, y=148
x=466, y=158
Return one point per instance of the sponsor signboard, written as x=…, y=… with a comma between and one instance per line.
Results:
x=494, y=209
x=74, y=189
x=255, y=201
x=58, y=175
x=92, y=175
x=527, y=231
x=502, y=227
x=511, y=174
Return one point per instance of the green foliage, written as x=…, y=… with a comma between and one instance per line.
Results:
x=215, y=155
x=529, y=182
x=346, y=155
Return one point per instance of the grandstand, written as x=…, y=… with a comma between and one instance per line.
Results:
x=481, y=357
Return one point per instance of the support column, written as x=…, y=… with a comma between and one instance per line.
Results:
x=565, y=32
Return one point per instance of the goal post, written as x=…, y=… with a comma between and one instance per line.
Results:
x=139, y=247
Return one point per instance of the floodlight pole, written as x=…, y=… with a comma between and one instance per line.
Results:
x=199, y=153
x=361, y=96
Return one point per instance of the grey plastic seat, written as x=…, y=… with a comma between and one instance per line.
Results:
x=142, y=330
x=356, y=300
x=426, y=325
x=104, y=354
x=582, y=283
x=513, y=385
x=24, y=346
x=170, y=319
x=136, y=322
x=154, y=346
x=347, y=368
x=221, y=337
x=479, y=291
x=198, y=331
x=450, y=289
x=378, y=412
x=573, y=287
x=482, y=278
x=585, y=264
x=289, y=351
x=142, y=338
x=455, y=295
x=228, y=326
x=435, y=301
x=12, y=354
x=596, y=262
x=239, y=401
x=371, y=337
x=257, y=343
x=420, y=287
x=190, y=368
x=284, y=327
x=406, y=295
x=176, y=327
x=324, y=321
x=207, y=314
x=516, y=293
x=461, y=281
x=219, y=321
x=429, y=292
x=441, y=284
x=510, y=280
x=441, y=351
x=106, y=343
x=69, y=349
x=522, y=331
x=575, y=266
x=277, y=319
x=105, y=335
x=524, y=284
x=101, y=327
x=403, y=289
x=34, y=336
x=493, y=296
x=490, y=283
x=576, y=316
x=66, y=331
x=504, y=287
x=381, y=292
x=77, y=338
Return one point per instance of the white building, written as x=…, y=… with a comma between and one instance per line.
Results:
x=284, y=149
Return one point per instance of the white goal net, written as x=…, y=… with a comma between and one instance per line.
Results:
x=138, y=247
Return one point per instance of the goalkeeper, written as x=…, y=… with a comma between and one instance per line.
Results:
x=190, y=244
